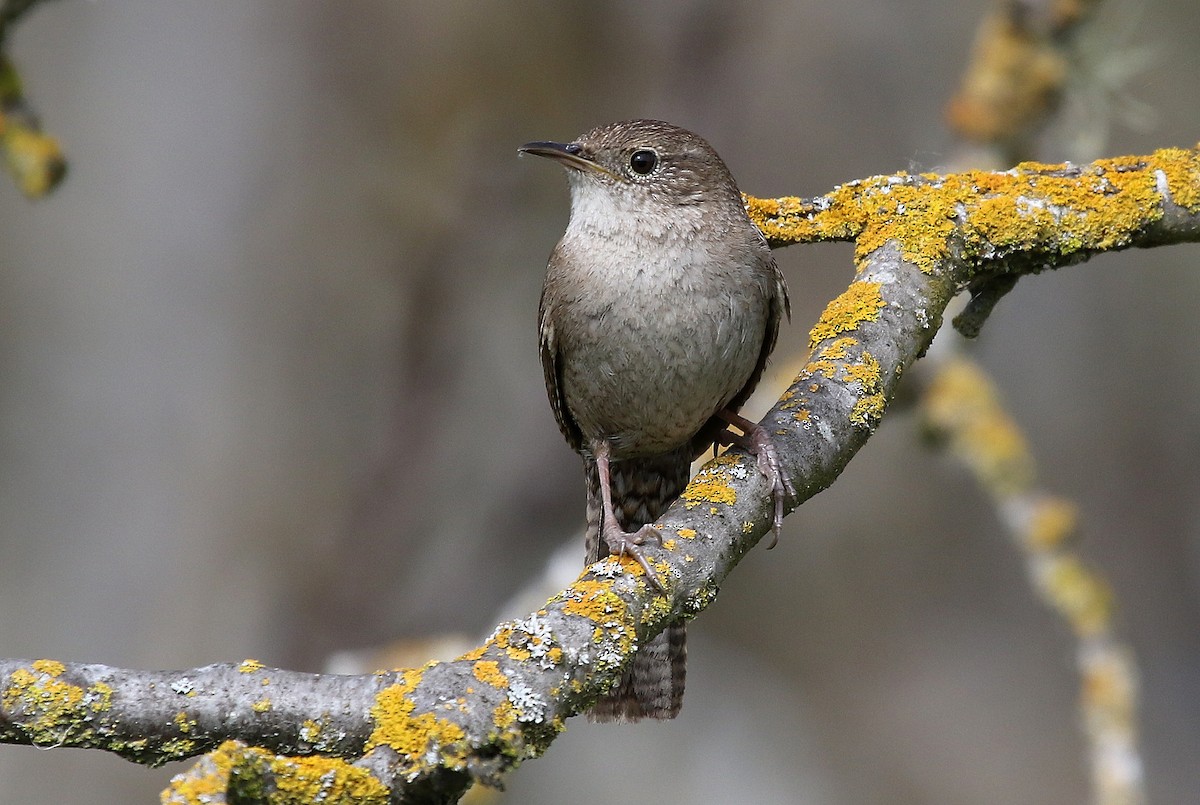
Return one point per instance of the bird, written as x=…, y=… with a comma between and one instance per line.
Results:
x=660, y=307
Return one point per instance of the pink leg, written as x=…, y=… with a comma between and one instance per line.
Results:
x=619, y=542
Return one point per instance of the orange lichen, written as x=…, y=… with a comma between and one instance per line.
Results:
x=503, y=640
x=594, y=600
x=489, y=673
x=475, y=653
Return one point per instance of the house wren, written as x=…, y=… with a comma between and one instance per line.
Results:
x=660, y=306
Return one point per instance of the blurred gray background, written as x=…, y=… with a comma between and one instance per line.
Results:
x=269, y=384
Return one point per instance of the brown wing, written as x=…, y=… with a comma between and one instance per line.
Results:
x=552, y=371
x=779, y=308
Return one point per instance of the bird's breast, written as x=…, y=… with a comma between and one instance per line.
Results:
x=654, y=337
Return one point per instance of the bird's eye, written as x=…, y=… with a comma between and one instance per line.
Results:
x=643, y=161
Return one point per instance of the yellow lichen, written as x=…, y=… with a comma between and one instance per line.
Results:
x=1051, y=523
x=793, y=220
x=324, y=779
x=49, y=667
x=687, y=533
x=100, y=696
x=34, y=159
x=863, y=376
x=657, y=609
x=51, y=707
x=502, y=640
x=865, y=372
x=593, y=600
x=414, y=736
x=195, y=788
x=840, y=348
x=310, y=731
x=868, y=410
x=1181, y=167
x=962, y=403
x=261, y=706
x=293, y=780
x=1058, y=208
x=1078, y=594
x=861, y=302
x=183, y=723
x=474, y=653
x=250, y=666
x=504, y=715
x=489, y=673
x=712, y=484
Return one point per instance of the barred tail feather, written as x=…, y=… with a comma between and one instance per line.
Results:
x=652, y=686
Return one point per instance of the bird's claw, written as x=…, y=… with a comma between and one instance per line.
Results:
x=756, y=440
x=628, y=543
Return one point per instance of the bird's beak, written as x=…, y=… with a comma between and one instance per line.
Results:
x=569, y=155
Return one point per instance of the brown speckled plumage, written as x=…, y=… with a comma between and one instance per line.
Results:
x=660, y=307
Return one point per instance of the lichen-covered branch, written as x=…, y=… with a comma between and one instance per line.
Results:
x=962, y=410
x=987, y=227
x=424, y=734
x=1018, y=72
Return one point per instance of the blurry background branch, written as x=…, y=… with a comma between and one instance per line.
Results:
x=963, y=413
x=1017, y=77
x=33, y=157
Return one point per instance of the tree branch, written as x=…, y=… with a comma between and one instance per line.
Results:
x=422, y=735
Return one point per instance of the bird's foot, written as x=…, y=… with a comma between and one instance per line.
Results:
x=756, y=440
x=629, y=543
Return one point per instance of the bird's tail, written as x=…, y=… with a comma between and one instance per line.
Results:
x=642, y=489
